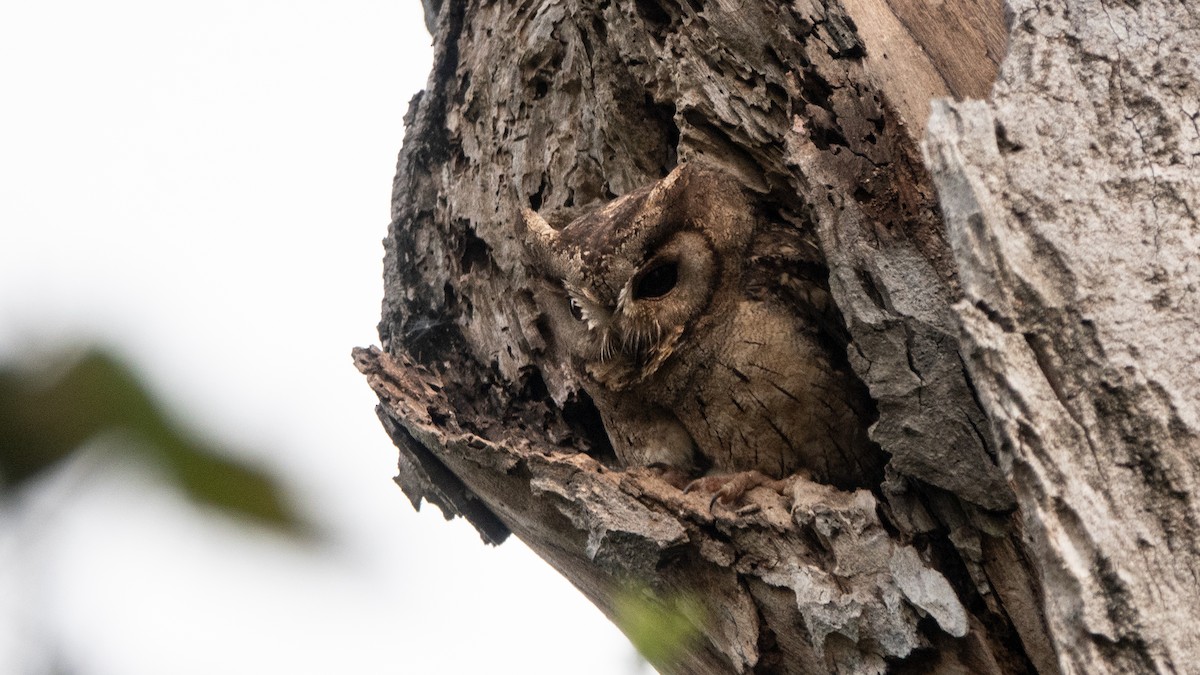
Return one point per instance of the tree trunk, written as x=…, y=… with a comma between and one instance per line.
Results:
x=1020, y=306
x=1071, y=204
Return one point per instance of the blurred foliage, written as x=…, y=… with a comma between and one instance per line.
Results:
x=662, y=629
x=47, y=414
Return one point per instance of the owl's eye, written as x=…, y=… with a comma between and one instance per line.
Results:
x=576, y=310
x=657, y=281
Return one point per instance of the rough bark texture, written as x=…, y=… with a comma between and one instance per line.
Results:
x=817, y=108
x=1071, y=203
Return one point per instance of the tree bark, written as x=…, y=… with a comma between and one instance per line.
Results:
x=1037, y=513
x=1071, y=204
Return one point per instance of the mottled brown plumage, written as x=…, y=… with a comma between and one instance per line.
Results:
x=704, y=335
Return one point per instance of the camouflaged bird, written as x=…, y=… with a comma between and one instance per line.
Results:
x=704, y=333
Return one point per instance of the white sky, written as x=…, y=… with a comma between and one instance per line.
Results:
x=204, y=186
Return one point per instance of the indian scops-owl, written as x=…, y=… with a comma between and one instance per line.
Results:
x=701, y=331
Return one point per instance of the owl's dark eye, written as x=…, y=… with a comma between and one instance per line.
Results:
x=576, y=309
x=657, y=281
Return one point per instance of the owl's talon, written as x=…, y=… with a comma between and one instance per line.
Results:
x=729, y=489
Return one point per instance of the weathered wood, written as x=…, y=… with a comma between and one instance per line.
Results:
x=1071, y=202
x=817, y=109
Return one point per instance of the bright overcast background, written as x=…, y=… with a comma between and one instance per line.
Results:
x=203, y=186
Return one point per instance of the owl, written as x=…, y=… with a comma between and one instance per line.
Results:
x=705, y=335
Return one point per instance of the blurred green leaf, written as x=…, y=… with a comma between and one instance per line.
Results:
x=662, y=629
x=46, y=416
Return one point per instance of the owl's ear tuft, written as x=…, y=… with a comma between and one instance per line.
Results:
x=663, y=190
x=540, y=241
x=537, y=230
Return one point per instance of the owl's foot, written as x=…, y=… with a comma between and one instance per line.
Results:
x=730, y=488
x=673, y=475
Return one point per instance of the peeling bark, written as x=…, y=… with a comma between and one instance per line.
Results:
x=817, y=108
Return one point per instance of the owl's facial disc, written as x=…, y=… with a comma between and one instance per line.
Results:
x=667, y=292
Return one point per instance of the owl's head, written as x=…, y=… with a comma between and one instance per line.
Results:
x=626, y=286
